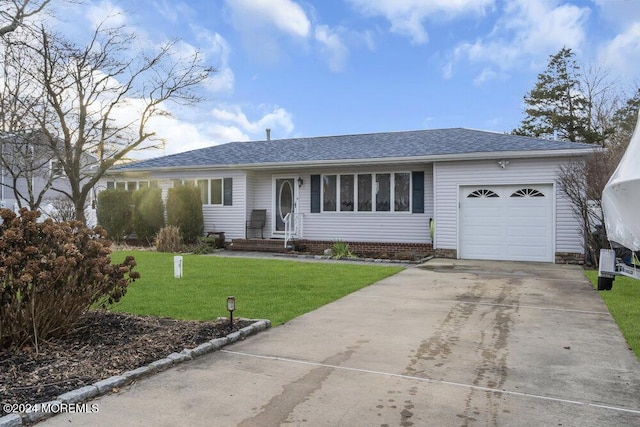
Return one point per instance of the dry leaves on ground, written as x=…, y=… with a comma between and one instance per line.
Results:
x=103, y=344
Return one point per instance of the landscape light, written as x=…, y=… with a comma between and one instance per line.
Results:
x=231, y=306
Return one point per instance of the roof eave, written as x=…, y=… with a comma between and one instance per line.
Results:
x=371, y=161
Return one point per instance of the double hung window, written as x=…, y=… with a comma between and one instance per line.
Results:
x=367, y=192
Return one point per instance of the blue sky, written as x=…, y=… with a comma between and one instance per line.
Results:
x=332, y=67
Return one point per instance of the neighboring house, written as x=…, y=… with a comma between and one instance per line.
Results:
x=492, y=196
x=27, y=166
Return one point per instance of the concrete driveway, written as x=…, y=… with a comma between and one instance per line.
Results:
x=447, y=343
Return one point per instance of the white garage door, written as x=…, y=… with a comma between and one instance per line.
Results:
x=508, y=222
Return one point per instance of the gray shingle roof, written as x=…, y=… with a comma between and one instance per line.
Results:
x=421, y=143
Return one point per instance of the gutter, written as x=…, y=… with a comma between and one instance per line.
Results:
x=367, y=162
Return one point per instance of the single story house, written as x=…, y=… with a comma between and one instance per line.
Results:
x=489, y=195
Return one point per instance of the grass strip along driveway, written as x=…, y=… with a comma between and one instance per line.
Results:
x=277, y=290
x=623, y=302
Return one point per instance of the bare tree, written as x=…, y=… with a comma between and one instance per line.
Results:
x=603, y=100
x=607, y=123
x=26, y=163
x=62, y=209
x=25, y=157
x=14, y=12
x=582, y=182
x=99, y=100
x=624, y=120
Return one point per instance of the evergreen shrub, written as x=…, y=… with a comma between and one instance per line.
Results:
x=184, y=210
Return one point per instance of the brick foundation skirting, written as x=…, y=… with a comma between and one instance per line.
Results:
x=408, y=251
x=384, y=250
x=446, y=253
x=569, y=258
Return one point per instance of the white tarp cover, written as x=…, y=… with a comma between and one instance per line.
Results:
x=621, y=197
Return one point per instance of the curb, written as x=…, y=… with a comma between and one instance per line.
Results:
x=70, y=399
x=355, y=260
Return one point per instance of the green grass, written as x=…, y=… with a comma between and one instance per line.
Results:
x=277, y=290
x=623, y=301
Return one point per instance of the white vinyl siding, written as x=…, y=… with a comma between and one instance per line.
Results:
x=262, y=196
x=354, y=226
x=368, y=226
x=255, y=190
x=450, y=176
x=229, y=219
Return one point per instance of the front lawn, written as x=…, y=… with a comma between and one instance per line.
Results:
x=623, y=301
x=278, y=290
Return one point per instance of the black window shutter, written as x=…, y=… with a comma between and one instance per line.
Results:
x=315, y=193
x=228, y=192
x=418, y=191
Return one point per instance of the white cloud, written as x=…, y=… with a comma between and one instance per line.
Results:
x=620, y=13
x=226, y=133
x=275, y=118
x=184, y=128
x=173, y=11
x=539, y=26
x=105, y=13
x=447, y=70
x=221, y=81
x=225, y=123
x=529, y=31
x=332, y=47
x=622, y=54
x=486, y=75
x=213, y=44
x=407, y=16
x=286, y=15
x=177, y=135
x=216, y=51
x=266, y=21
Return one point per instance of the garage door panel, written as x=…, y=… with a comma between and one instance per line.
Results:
x=487, y=251
x=482, y=212
x=527, y=232
x=529, y=250
x=515, y=223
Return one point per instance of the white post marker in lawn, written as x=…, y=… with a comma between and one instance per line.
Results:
x=177, y=267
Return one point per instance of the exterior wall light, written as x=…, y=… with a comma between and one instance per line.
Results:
x=503, y=163
x=300, y=182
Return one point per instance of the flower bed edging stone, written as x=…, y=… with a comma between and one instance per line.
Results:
x=107, y=385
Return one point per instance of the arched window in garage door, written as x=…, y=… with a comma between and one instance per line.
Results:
x=483, y=192
x=527, y=192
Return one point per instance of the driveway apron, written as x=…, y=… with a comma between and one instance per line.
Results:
x=447, y=343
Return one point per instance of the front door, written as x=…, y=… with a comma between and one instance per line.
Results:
x=285, y=201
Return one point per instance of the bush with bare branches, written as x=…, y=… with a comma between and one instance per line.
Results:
x=51, y=273
x=169, y=240
x=582, y=182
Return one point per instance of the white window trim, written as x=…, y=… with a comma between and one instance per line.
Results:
x=374, y=192
x=127, y=182
x=208, y=202
x=61, y=173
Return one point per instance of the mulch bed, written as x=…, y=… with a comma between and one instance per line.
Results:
x=104, y=344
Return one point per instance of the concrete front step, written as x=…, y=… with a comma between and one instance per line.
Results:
x=259, y=245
